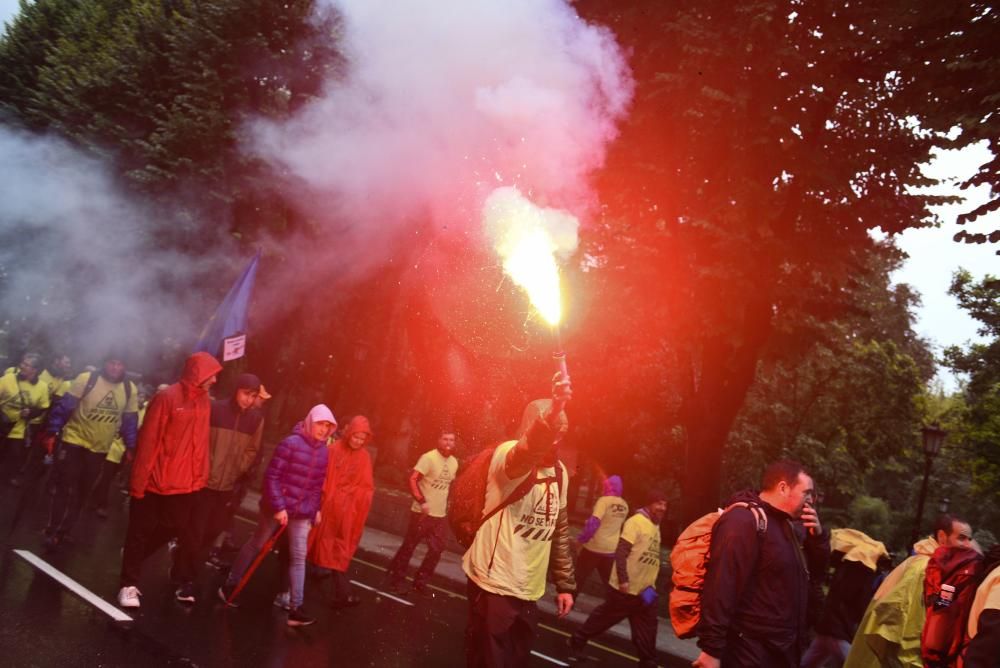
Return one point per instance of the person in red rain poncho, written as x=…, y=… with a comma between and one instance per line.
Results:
x=347, y=498
x=171, y=465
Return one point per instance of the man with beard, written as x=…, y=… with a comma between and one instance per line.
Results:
x=509, y=556
x=96, y=407
x=757, y=582
x=429, y=485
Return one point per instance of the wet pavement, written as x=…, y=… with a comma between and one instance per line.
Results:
x=43, y=624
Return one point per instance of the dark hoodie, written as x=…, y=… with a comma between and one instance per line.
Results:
x=172, y=453
x=756, y=588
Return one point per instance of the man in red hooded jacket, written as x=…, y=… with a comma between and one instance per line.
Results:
x=171, y=466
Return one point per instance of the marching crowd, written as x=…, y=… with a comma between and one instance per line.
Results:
x=748, y=579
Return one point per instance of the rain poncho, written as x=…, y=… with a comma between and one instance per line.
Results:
x=889, y=633
x=347, y=498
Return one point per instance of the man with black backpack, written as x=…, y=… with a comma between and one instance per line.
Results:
x=523, y=524
x=756, y=586
x=97, y=406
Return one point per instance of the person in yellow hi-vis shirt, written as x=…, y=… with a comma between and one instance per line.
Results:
x=54, y=377
x=96, y=408
x=22, y=398
x=113, y=461
x=429, y=485
x=631, y=591
x=599, y=538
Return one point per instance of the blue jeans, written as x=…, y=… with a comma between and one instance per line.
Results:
x=298, y=535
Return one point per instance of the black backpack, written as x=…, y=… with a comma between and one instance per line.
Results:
x=467, y=495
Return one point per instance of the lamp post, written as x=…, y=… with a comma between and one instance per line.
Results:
x=933, y=440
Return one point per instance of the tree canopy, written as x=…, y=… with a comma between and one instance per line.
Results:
x=730, y=305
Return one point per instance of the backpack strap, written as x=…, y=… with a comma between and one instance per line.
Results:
x=92, y=381
x=519, y=493
x=760, y=517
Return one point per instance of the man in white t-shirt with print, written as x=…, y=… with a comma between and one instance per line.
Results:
x=509, y=557
x=429, y=485
x=631, y=592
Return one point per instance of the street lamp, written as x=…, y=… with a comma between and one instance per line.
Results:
x=934, y=437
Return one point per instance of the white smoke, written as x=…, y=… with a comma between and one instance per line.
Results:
x=443, y=102
x=80, y=267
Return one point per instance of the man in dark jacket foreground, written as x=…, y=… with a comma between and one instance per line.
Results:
x=756, y=587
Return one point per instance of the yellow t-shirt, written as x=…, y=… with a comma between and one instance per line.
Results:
x=98, y=417
x=644, y=560
x=510, y=553
x=438, y=471
x=612, y=511
x=57, y=386
x=987, y=598
x=16, y=395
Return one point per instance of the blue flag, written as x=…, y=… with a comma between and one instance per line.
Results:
x=228, y=325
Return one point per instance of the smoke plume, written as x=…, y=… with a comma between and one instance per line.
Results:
x=442, y=103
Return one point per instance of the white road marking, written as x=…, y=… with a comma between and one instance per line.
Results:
x=382, y=593
x=549, y=658
x=73, y=586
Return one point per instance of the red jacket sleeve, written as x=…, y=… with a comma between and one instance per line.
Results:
x=149, y=443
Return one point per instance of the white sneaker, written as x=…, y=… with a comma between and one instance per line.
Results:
x=128, y=597
x=283, y=601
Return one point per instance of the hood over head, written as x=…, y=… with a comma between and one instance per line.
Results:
x=613, y=486
x=318, y=413
x=537, y=409
x=858, y=546
x=198, y=368
x=358, y=424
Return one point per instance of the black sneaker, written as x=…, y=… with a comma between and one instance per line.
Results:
x=185, y=593
x=349, y=602
x=576, y=654
x=225, y=591
x=298, y=617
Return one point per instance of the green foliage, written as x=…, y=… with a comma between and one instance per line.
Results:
x=765, y=140
x=975, y=420
x=164, y=89
x=869, y=514
x=964, y=58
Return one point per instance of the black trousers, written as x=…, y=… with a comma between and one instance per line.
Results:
x=102, y=488
x=77, y=469
x=152, y=521
x=500, y=630
x=211, y=516
x=587, y=562
x=421, y=528
x=616, y=607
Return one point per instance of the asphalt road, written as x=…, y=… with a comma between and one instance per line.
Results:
x=43, y=623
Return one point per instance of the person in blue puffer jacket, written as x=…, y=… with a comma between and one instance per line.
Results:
x=293, y=489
